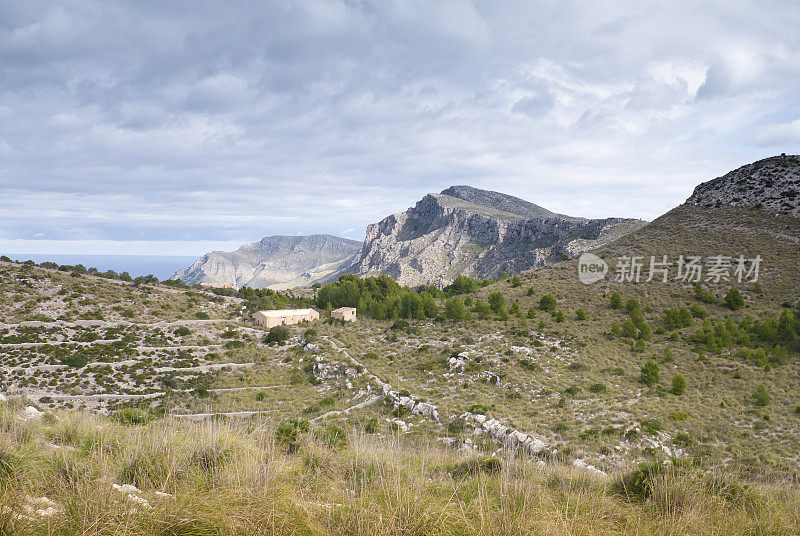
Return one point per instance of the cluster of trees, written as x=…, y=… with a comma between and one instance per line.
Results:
x=634, y=326
x=464, y=285
x=382, y=298
x=379, y=297
x=768, y=341
x=683, y=317
x=733, y=298
x=262, y=299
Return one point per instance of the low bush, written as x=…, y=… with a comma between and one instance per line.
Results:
x=475, y=466
x=132, y=416
x=278, y=335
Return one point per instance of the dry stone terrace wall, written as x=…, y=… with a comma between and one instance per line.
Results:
x=95, y=363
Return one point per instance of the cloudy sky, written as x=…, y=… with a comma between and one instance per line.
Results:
x=177, y=127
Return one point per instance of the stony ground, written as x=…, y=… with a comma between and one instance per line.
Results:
x=563, y=391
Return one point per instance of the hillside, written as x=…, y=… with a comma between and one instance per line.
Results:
x=277, y=262
x=561, y=383
x=478, y=233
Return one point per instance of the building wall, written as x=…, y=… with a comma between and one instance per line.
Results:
x=347, y=315
x=269, y=322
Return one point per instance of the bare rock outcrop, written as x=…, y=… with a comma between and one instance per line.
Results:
x=771, y=185
x=478, y=233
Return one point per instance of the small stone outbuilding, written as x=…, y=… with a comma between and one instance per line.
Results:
x=347, y=314
x=285, y=317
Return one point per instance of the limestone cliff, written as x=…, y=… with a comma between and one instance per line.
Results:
x=479, y=233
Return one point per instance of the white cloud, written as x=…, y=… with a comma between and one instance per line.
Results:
x=150, y=122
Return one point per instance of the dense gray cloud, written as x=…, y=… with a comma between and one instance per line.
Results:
x=201, y=123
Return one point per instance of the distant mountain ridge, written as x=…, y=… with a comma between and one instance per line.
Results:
x=278, y=262
x=479, y=233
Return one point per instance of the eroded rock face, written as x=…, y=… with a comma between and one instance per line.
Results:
x=772, y=185
x=477, y=233
x=278, y=262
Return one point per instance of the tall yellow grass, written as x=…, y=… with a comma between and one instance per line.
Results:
x=233, y=479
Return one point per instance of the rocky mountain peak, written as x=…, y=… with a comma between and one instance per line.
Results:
x=500, y=202
x=478, y=233
x=771, y=184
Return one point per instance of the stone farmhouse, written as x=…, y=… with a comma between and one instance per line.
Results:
x=347, y=314
x=285, y=317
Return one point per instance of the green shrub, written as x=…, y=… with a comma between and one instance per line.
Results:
x=288, y=433
x=454, y=309
x=598, y=388
x=482, y=309
x=703, y=295
x=677, y=318
x=678, y=385
x=278, y=335
x=516, y=281
x=650, y=374
x=734, y=299
x=616, y=301
x=629, y=329
x=201, y=315
x=456, y=426
x=697, y=311
x=310, y=335
x=548, y=303
x=334, y=436
x=761, y=396
x=182, y=331
x=638, y=484
x=76, y=361
x=651, y=426
x=580, y=314
x=132, y=416
x=679, y=416
x=497, y=302
x=372, y=426
x=632, y=305
x=474, y=467
x=529, y=365
x=682, y=439
x=479, y=409
x=400, y=325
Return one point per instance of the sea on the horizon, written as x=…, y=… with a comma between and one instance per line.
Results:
x=161, y=266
